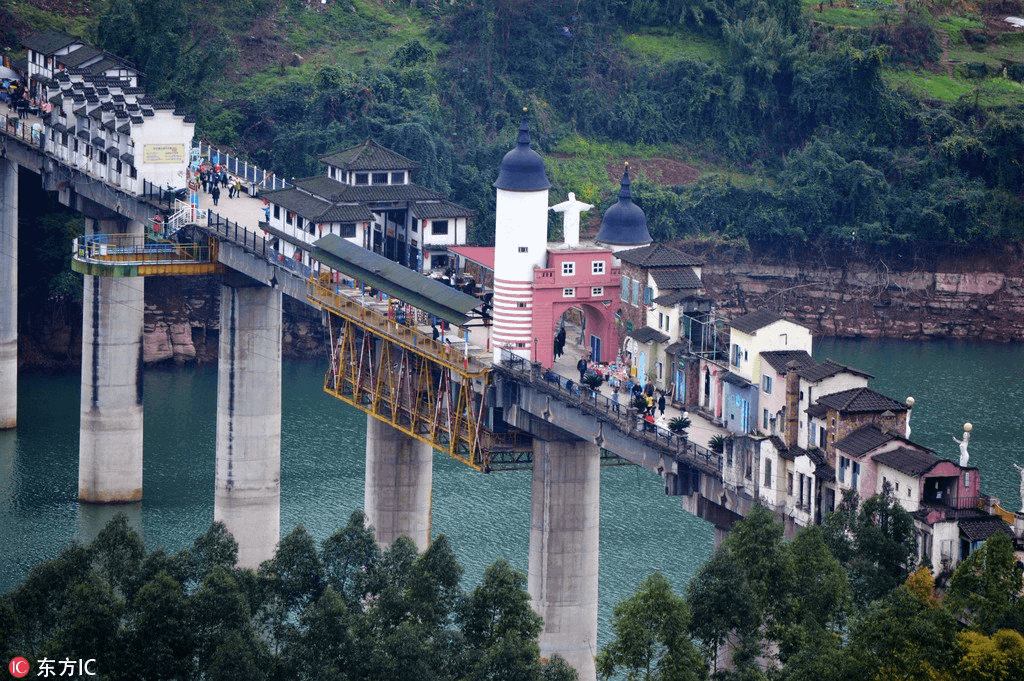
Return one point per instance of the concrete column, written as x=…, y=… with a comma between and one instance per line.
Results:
x=110, y=439
x=399, y=475
x=564, y=549
x=8, y=293
x=248, y=480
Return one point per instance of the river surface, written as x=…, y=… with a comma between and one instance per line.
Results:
x=486, y=516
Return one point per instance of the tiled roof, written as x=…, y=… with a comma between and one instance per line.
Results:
x=432, y=210
x=332, y=190
x=816, y=410
x=646, y=334
x=751, y=323
x=79, y=56
x=863, y=440
x=826, y=369
x=910, y=461
x=677, y=348
x=346, y=213
x=781, y=447
x=676, y=278
x=299, y=202
x=48, y=42
x=369, y=156
x=861, y=400
x=735, y=379
x=980, y=529
x=483, y=255
x=658, y=255
x=780, y=359
x=823, y=470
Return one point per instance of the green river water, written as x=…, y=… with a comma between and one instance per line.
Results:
x=486, y=516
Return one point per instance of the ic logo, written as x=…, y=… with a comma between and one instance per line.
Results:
x=19, y=667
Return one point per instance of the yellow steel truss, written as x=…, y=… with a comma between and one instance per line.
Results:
x=403, y=377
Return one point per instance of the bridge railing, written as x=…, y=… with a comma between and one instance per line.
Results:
x=238, y=234
x=254, y=175
x=623, y=416
x=24, y=129
x=131, y=249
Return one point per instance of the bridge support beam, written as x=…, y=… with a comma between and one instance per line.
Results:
x=399, y=476
x=564, y=549
x=8, y=293
x=248, y=479
x=110, y=439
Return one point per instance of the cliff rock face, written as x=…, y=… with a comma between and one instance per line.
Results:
x=975, y=296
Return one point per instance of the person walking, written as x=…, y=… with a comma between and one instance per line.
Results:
x=582, y=367
x=215, y=193
x=650, y=405
x=661, y=404
x=615, y=400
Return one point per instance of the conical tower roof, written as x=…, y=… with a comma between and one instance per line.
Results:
x=522, y=169
x=624, y=223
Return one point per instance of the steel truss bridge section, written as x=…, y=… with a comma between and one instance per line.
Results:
x=406, y=379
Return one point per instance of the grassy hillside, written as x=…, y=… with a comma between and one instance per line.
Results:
x=757, y=119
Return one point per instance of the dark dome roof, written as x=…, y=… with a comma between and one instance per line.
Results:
x=624, y=223
x=522, y=169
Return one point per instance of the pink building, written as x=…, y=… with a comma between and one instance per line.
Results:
x=585, y=278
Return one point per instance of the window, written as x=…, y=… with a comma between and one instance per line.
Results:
x=661, y=370
x=568, y=293
x=568, y=269
x=415, y=225
x=330, y=172
x=967, y=479
x=789, y=484
x=736, y=351
x=766, y=384
x=802, y=487
x=661, y=320
x=597, y=291
x=380, y=178
x=362, y=178
x=277, y=212
x=298, y=221
x=439, y=227
x=398, y=177
x=767, y=471
x=288, y=218
x=764, y=421
x=103, y=158
x=856, y=474
x=520, y=304
x=635, y=295
x=624, y=289
x=597, y=267
x=668, y=323
x=648, y=295
x=347, y=230
x=312, y=228
x=524, y=249
x=844, y=463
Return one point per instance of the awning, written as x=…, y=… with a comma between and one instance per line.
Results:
x=396, y=280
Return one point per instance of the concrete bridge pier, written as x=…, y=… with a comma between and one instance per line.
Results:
x=564, y=548
x=247, y=498
x=8, y=293
x=110, y=439
x=399, y=478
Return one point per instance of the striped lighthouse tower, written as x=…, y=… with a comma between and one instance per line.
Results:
x=520, y=245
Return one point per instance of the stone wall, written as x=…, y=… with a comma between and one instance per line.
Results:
x=979, y=298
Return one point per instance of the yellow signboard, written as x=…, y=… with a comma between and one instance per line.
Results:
x=163, y=153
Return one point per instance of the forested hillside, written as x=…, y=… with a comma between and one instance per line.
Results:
x=827, y=122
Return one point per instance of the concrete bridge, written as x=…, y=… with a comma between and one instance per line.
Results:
x=419, y=395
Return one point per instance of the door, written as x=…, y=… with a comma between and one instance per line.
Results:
x=744, y=415
x=595, y=349
x=680, y=391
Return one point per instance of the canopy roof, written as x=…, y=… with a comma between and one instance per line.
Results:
x=421, y=292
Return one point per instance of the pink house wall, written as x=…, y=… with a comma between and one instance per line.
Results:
x=549, y=304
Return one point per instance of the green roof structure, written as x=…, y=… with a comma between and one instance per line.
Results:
x=396, y=280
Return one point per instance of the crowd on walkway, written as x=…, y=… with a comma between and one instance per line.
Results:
x=215, y=178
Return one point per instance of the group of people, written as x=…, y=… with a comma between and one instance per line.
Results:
x=212, y=179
